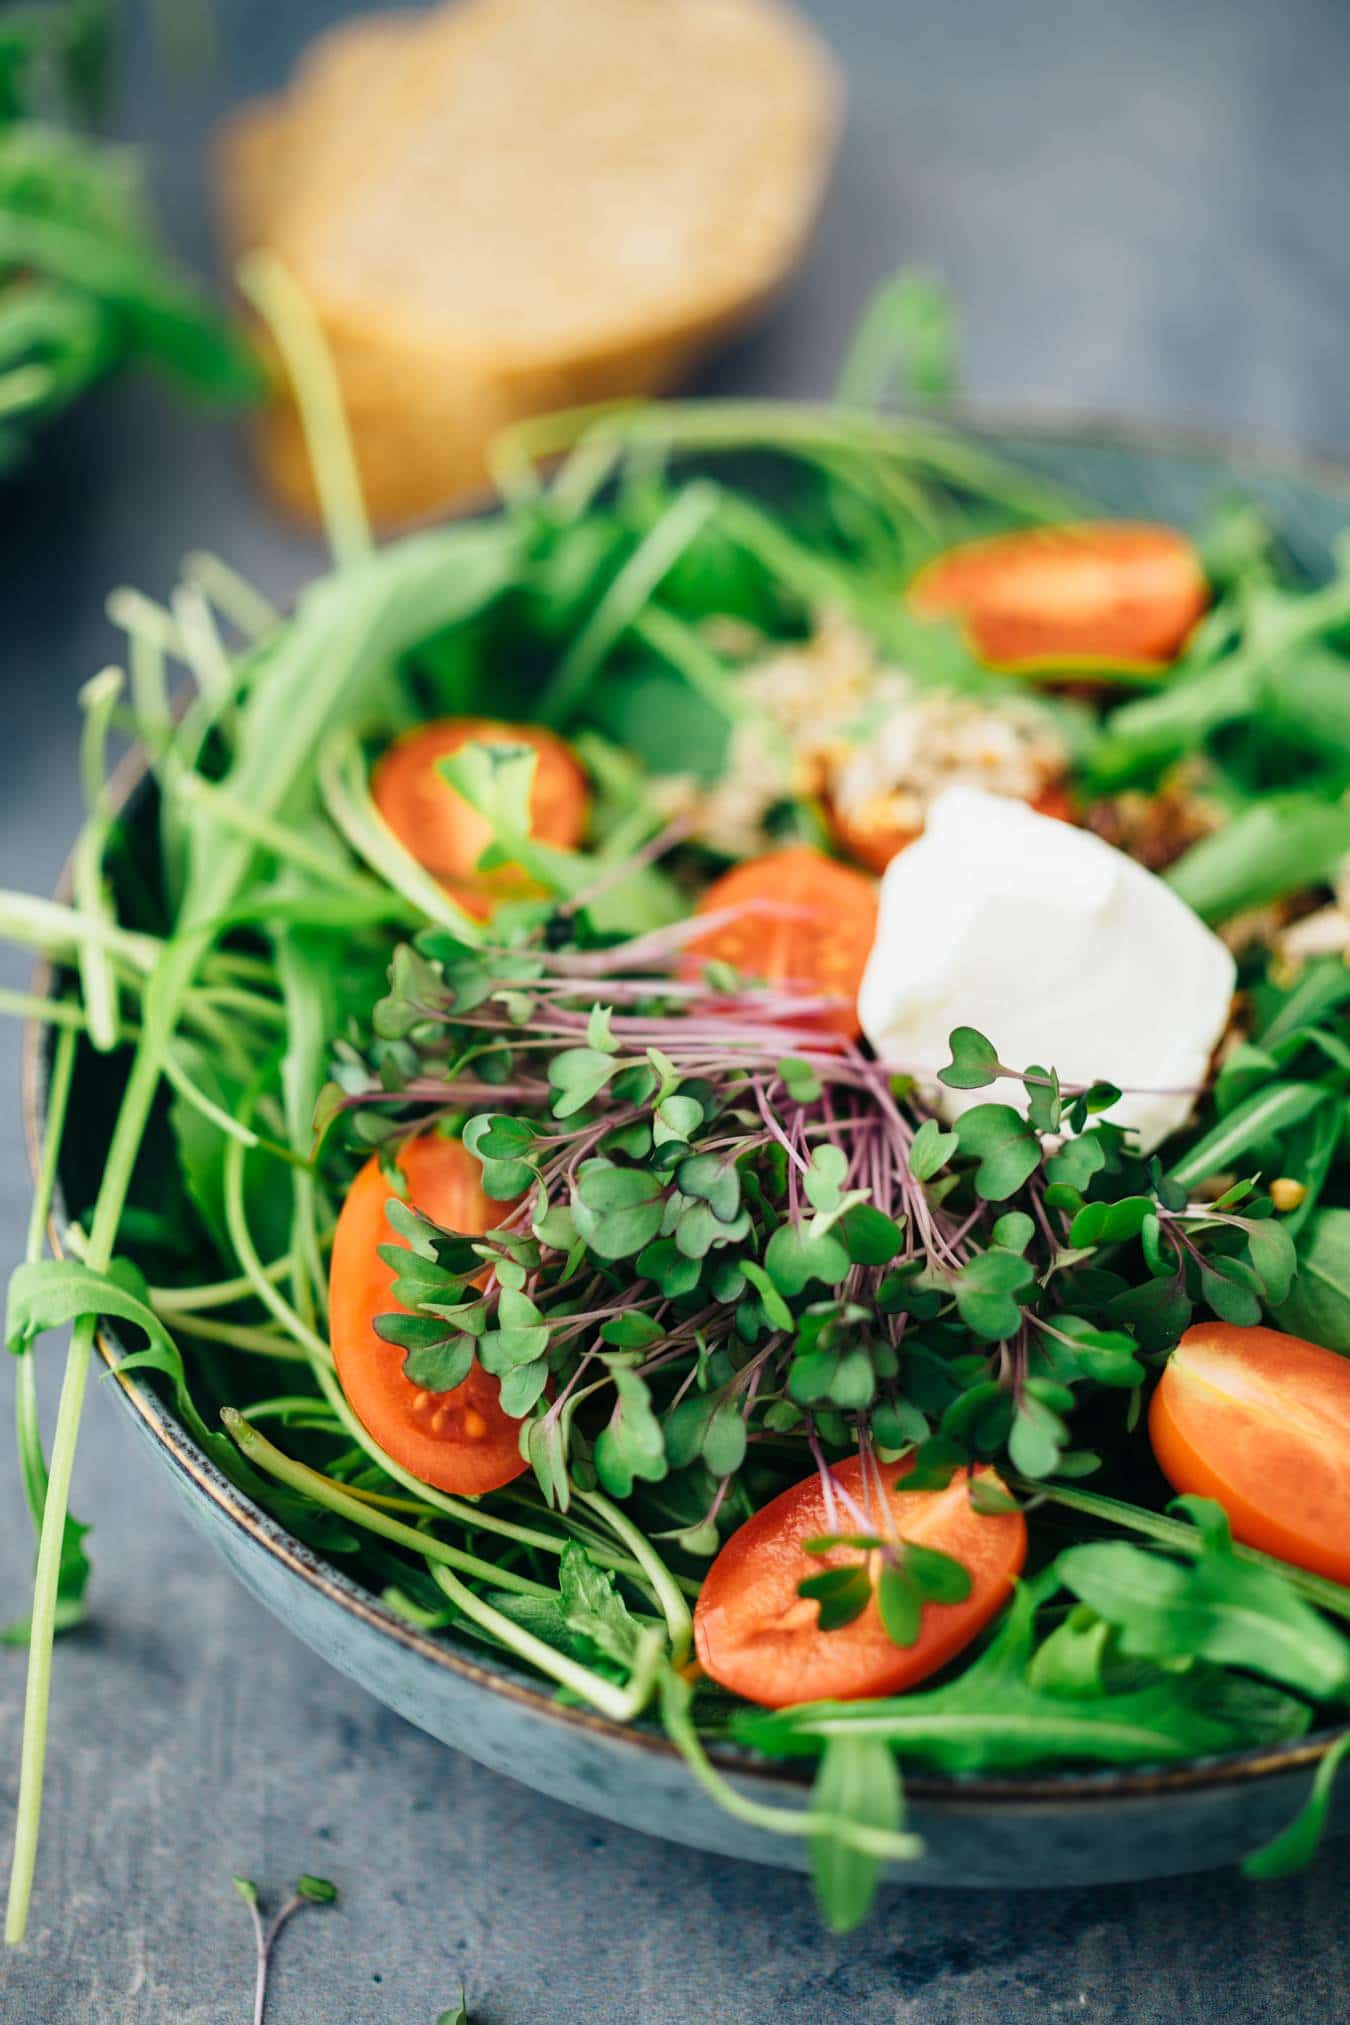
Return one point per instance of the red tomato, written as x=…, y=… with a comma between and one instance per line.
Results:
x=460, y=1440
x=874, y=844
x=1104, y=593
x=822, y=948
x=440, y=829
x=1260, y=1421
x=758, y=1637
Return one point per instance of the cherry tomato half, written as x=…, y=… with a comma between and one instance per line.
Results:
x=820, y=948
x=1260, y=1421
x=1094, y=593
x=758, y=1637
x=438, y=827
x=461, y=1440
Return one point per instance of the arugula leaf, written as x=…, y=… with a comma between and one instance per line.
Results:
x=1257, y=1121
x=1318, y=1301
x=858, y=1782
x=993, y=1717
x=1215, y=1607
x=1275, y=846
x=1294, y=1848
x=593, y=1608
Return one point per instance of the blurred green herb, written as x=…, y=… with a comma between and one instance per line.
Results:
x=85, y=286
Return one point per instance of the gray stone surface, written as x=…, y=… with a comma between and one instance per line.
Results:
x=1142, y=208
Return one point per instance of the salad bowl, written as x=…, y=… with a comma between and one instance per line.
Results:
x=1044, y=1830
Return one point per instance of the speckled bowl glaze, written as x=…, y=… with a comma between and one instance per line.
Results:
x=1070, y=1829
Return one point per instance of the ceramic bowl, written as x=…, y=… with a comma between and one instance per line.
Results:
x=1065, y=1829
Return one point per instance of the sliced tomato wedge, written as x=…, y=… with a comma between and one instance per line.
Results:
x=803, y=921
x=439, y=828
x=758, y=1637
x=1120, y=594
x=1260, y=1421
x=460, y=1440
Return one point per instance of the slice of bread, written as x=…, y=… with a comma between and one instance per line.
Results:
x=507, y=206
x=249, y=150
x=559, y=182
x=277, y=150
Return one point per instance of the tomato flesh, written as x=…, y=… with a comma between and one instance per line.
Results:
x=1117, y=593
x=439, y=828
x=755, y=1635
x=820, y=947
x=1260, y=1421
x=460, y=1440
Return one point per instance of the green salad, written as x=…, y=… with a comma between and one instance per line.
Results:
x=682, y=1115
x=85, y=285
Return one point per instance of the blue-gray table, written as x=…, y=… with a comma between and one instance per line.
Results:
x=1142, y=209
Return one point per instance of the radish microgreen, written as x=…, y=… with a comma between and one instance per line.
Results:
x=307, y=1890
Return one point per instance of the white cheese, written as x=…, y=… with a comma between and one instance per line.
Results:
x=1056, y=946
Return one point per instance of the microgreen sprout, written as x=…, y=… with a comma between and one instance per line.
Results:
x=901, y=1574
x=795, y=1244
x=307, y=1890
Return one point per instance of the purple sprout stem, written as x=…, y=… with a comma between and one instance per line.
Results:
x=1042, y=1215
x=831, y=1486
x=775, y=1129
x=264, y=1942
x=719, y=1498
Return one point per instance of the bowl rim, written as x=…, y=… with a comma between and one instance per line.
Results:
x=1269, y=458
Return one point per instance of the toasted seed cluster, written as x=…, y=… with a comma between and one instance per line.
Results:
x=828, y=722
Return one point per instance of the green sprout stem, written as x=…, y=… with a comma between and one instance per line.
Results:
x=679, y=1623
x=291, y=318
x=346, y=795
x=171, y=1301
x=630, y=592
x=326, y=1491
x=25, y=1397
x=618, y=1703
x=231, y=594
x=237, y=1336
x=888, y=1845
x=125, y=1145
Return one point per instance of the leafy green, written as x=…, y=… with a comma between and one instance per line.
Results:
x=1003, y=1143
x=1214, y=1607
x=1276, y=846
x=85, y=286
x=1318, y=1302
x=995, y=1717
x=974, y=1061
x=1295, y=1846
x=857, y=1782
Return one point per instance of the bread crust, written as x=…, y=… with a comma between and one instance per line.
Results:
x=507, y=207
